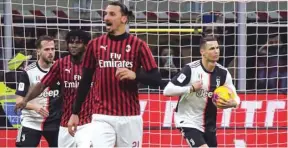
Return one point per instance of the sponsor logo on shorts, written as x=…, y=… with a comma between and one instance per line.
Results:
x=23, y=138
x=192, y=142
x=91, y=144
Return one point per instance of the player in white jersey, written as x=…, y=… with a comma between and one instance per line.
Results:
x=41, y=116
x=195, y=112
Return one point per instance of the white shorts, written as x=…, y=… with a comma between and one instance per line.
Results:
x=82, y=137
x=65, y=140
x=117, y=131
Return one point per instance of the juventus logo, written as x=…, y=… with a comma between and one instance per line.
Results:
x=217, y=81
x=128, y=48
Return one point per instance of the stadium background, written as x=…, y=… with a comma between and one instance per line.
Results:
x=242, y=29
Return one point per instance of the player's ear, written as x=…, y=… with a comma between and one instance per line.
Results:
x=202, y=50
x=38, y=52
x=124, y=19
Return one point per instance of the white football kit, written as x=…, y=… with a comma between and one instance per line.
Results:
x=81, y=139
x=112, y=131
x=34, y=125
x=196, y=109
x=49, y=99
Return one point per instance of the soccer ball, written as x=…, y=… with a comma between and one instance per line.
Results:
x=221, y=93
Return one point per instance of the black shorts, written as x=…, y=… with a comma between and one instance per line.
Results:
x=196, y=138
x=28, y=137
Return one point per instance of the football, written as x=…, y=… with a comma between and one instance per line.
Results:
x=222, y=93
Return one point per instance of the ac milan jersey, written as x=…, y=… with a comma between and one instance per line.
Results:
x=196, y=109
x=107, y=53
x=69, y=75
x=49, y=99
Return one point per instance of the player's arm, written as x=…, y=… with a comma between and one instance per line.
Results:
x=49, y=79
x=150, y=75
x=89, y=66
x=29, y=106
x=152, y=78
x=230, y=85
x=179, y=83
x=22, y=90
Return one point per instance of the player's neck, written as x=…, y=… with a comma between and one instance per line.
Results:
x=120, y=31
x=77, y=58
x=122, y=36
x=208, y=66
x=44, y=65
x=117, y=33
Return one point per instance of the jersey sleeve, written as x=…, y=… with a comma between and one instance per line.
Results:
x=147, y=59
x=179, y=83
x=183, y=77
x=53, y=75
x=23, y=84
x=230, y=85
x=89, y=59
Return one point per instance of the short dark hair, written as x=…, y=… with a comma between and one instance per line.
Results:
x=123, y=8
x=206, y=39
x=43, y=38
x=82, y=35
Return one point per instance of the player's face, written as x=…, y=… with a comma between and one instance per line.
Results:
x=166, y=53
x=113, y=18
x=76, y=46
x=47, y=51
x=210, y=51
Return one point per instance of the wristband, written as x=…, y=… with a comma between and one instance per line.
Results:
x=193, y=88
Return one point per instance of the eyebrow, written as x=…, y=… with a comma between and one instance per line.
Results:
x=214, y=47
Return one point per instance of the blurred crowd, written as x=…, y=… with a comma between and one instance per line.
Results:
x=266, y=55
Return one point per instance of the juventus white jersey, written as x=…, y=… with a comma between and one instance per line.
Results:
x=196, y=109
x=49, y=99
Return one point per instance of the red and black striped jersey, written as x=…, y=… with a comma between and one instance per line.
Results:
x=69, y=74
x=107, y=53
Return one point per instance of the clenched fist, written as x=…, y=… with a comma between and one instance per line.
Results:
x=196, y=86
x=124, y=73
x=20, y=105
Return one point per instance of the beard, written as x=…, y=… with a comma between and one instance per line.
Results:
x=47, y=61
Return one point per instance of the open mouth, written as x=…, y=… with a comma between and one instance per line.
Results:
x=108, y=24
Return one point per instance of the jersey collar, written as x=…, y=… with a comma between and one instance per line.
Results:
x=42, y=70
x=118, y=37
x=205, y=68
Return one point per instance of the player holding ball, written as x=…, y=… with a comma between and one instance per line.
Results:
x=203, y=86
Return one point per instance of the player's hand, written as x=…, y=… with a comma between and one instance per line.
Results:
x=20, y=105
x=41, y=110
x=124, y=73
x=72, y=124
x=196, y=86
x=223, y=104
